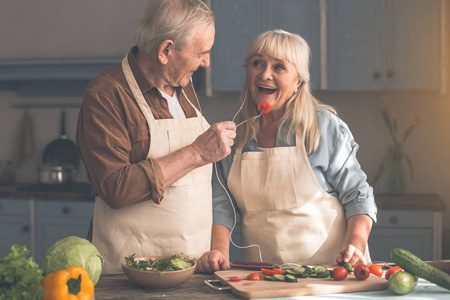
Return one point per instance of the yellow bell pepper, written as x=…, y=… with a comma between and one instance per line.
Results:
x=72, y=283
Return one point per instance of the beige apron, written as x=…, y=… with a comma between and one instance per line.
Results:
x=183, y=220
x=284, y=209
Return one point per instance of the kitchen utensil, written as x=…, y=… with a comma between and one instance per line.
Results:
x=61, y=151
x=252, y=265
x=50, y=174
x=151, y=279
x=248, y=289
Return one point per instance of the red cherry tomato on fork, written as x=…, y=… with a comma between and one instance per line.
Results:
x=376, y=270
x=264, y=107
x=361, y=272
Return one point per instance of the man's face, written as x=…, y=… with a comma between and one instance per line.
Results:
x=185, y=62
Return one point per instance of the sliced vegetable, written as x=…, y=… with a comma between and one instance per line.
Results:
x=269, y=278
x=268, y=271
x=320, y=269
x=279, y=277
x=376, y=270
x=235, y=279
x=361, y=272
x=253, y=276
x=278, y=271
x=290, y=278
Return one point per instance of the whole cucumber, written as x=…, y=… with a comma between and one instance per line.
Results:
x=414, y=265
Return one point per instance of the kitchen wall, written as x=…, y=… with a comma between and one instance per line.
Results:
x=103, y=28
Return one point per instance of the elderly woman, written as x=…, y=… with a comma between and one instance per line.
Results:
x=292, y=175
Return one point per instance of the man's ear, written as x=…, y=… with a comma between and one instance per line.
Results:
x=165, y=50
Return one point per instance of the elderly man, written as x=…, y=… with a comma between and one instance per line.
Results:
x=145, y=144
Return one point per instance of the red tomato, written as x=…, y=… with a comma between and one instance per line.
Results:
x=268, y=271
x=361, y=272
x=376, y=270
x=392, y=271
x=253, y=276
x=340, y=273
x=278, y=271
x=235, y=279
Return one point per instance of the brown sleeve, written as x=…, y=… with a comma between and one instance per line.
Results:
x=108, y=148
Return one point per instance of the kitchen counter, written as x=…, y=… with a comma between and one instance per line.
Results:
x=114, y=287
x=76, y=191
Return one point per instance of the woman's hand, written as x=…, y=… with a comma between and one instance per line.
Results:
x=212, y=261
x=358, y=230
x=351, y=254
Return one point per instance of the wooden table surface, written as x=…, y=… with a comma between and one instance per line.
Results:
x=112, y=287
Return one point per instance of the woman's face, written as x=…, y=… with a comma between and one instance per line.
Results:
x=272, y=80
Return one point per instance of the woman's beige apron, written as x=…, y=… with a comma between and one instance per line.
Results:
x=284, y=209
x=183, y=220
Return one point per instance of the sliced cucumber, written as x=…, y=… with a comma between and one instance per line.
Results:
x=290, y=278
x=320, y=269
x=269, y=278
x=279, y=277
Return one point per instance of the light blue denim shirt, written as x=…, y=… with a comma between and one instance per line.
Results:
x=334, y=164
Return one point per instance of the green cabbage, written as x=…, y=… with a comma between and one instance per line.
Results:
x=73, y=251
x=179, y=264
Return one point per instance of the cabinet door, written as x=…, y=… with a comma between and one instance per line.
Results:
x=383, y=44
x=238, y=22
x=414, y=44
x=14, y=224
x=59, y=219
x=355, y=45
x=417, y=241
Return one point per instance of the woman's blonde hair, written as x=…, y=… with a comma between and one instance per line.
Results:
x=174, y=20
x=301, y=108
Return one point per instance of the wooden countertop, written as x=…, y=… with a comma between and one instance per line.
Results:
x=81, y=192
x=422, y=202
x=75, y=192
x=113, y=287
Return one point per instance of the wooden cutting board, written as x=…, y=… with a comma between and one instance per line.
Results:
x=247, y=289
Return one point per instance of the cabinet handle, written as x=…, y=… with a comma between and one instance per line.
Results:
x=390, y=74
x=393, y=220
x=376, y=75
x=65, y=210
x=25, y=228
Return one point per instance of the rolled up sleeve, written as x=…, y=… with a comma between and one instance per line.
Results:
x=336, y=157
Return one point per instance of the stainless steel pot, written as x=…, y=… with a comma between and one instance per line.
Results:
x=54, y=174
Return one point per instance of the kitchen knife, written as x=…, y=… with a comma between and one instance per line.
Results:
x=251, y=265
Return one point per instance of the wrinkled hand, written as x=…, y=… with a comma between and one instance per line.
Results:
x=212, y=261
x=351, y=254
x=215, y=143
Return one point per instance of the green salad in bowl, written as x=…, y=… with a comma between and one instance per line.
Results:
x=158, y=271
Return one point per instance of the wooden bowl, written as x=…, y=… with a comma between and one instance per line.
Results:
x=151, y=279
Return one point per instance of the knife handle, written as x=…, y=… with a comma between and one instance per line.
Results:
x=251, y=265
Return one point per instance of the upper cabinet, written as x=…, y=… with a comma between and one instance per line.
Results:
x=238, y=22
x=383, y=44
x=369, y=45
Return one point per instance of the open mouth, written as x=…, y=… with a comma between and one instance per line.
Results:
x=266, y=90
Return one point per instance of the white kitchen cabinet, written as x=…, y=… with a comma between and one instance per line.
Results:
x=383, y=44
x=38, y=224
x=238, y=22
x=14, y=224
x=59, y=219
x=414, y=231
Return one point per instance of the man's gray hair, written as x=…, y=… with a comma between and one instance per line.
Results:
x=174, y=20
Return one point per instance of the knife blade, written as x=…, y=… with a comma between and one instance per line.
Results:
x=251, y=265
